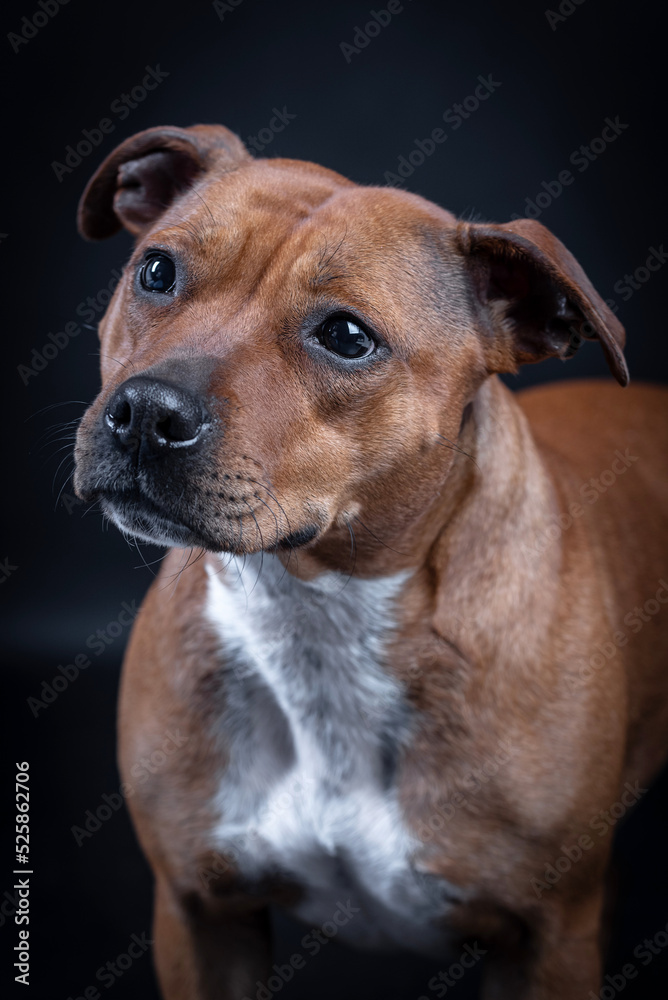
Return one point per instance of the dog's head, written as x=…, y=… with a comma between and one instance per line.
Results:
x=287, y=351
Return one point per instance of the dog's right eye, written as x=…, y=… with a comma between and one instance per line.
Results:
x=158, y=273
x=346, y=338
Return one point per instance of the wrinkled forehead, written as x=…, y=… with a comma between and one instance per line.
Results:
x=271, y=229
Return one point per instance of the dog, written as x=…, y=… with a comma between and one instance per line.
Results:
x=415, y=647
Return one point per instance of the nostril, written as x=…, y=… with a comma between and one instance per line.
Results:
x=119, y=414
x=165, y=428
x=179, y=426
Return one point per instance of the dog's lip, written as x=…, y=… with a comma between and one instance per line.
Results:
x=135, y=512
x=137, y=498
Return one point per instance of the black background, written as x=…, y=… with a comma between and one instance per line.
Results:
x=358, y=117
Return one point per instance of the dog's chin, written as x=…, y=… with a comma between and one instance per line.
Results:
x=141, y=518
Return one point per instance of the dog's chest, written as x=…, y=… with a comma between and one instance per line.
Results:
x=316, y=725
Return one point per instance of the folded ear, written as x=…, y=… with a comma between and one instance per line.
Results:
x=535, y=297
x=143, y=176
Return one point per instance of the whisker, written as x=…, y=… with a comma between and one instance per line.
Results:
x=60, y=465
x=173, y=578
x=380, y=541
x=68, y=426
x=62, y=488
x=252, y=514
x=353, y=554
x=273, y=497
x=143, y=559
x=68, y=445
x=123, y=364
x=455, y=447
x=52, y=406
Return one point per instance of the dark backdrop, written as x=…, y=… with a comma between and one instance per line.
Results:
x=554, y=80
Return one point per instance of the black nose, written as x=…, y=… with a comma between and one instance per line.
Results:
x=151, y=413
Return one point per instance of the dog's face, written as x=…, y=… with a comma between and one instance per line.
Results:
x=289, y=355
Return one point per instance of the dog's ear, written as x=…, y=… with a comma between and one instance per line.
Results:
x=143, y=176
x=536, y=300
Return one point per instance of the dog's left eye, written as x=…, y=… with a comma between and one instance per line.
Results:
x=345, y=338
x=158, y=273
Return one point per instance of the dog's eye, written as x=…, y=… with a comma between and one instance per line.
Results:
x=158, y=273
x=346, y=338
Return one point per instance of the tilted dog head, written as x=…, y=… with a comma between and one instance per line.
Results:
x=287, y=351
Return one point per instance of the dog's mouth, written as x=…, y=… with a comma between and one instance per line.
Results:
x=138, y=515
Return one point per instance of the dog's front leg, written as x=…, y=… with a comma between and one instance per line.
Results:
x=561, y=959
x=199, y=956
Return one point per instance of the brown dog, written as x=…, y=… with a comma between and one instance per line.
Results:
x=422, y=655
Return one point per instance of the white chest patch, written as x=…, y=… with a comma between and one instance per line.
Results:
x=315, y=725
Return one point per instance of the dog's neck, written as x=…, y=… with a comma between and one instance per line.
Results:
x=497, y=556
